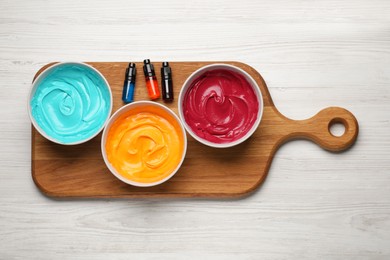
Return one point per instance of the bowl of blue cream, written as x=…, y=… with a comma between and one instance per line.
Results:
x=70, y=103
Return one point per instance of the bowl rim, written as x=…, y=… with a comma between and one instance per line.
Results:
x=230, y=67
x=113, y=118
x=34, y=86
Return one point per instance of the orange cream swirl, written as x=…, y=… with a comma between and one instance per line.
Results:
x=145, y=144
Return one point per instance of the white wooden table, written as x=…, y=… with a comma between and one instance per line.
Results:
x=312, y=54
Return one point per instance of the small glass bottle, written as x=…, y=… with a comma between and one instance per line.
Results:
x=129, y=84
x=151, y=80
x=166, y=82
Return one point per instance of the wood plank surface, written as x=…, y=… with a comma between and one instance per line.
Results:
x=312, y=54
x=79, y=170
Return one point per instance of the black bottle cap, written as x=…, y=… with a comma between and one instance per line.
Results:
x=166, y=71
x=148, y=69
x=131, y=72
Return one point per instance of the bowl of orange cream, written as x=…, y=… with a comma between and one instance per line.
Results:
x=144, y=144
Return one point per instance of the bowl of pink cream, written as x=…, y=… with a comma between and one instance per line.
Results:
x=220, y=105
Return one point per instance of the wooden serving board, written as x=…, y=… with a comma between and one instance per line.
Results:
x=79, y=171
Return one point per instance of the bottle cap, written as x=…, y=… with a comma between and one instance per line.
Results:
x=166, y=71
x=131, y=72
x=148, y=69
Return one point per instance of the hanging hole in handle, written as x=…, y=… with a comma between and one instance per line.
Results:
x=337, y=127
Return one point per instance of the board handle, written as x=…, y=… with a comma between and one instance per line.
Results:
x=317, y=129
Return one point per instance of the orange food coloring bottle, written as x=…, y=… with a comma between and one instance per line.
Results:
x=151, y=80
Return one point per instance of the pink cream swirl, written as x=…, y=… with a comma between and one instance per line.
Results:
x=220, y=106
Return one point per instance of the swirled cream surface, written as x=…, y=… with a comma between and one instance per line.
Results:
x=220, y=106
x=145, y=144
x=71, y=103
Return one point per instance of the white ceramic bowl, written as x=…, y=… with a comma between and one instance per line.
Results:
x=42, y=77
x=125, y=109
x=194, y=76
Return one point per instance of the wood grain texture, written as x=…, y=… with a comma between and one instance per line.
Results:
x=79, y=170
x=312, y=54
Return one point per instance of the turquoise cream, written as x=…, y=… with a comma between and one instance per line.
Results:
x=71, y=103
